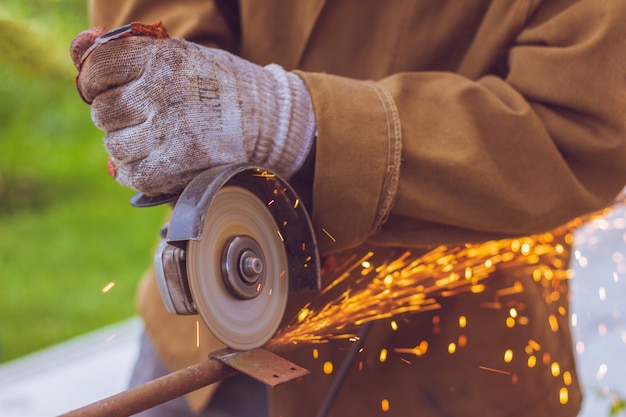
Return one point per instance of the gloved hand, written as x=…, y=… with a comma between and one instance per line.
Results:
x=171, y=108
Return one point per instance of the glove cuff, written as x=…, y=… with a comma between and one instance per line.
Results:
x=286, y=121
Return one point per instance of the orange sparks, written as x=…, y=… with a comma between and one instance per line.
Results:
x=564, y=396
x=554, y=323
x=546, y=358
x=328, y=234
x=419, y=350
x=364, y=290
x=264, y=174
x=567, y=378
x=497, y=371
x=328, y=368
x=108, y=287
x=384, y=405
x=534, y=345
x=391, y=286
x=515, y=289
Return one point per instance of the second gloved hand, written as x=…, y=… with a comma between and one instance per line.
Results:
x=171, y=109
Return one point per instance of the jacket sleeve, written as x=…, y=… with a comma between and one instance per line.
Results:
x=210, y=23
x=425, y=158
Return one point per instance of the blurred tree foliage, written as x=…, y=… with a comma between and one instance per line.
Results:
x=66, y=229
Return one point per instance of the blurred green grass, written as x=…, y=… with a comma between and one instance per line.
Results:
x=66, y=229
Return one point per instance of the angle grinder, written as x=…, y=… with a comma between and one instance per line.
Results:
x=238, y=242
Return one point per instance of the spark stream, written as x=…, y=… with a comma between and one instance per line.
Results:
x=364, y=290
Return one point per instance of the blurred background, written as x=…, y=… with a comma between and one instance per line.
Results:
x=72, y=249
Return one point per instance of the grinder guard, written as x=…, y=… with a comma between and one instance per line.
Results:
x=289, y=217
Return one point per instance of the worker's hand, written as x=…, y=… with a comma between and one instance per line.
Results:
x=171, y=108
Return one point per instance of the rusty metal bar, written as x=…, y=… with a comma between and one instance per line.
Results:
x=157, y=391
x=219, y=366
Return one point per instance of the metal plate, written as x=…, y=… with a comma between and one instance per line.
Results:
x=261, y=365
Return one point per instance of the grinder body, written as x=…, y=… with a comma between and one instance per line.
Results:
x=238, y=241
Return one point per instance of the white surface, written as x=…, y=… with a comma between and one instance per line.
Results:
x=599, y=312
x=70, y=375
x=97, y=365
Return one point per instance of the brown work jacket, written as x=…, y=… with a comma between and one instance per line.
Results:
x=439, y=122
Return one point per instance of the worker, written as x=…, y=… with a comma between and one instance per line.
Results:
x=415, y=123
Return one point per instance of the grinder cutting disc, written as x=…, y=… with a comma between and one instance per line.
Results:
x=237, y=271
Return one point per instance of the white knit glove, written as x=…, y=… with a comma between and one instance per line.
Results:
x=171, y=108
